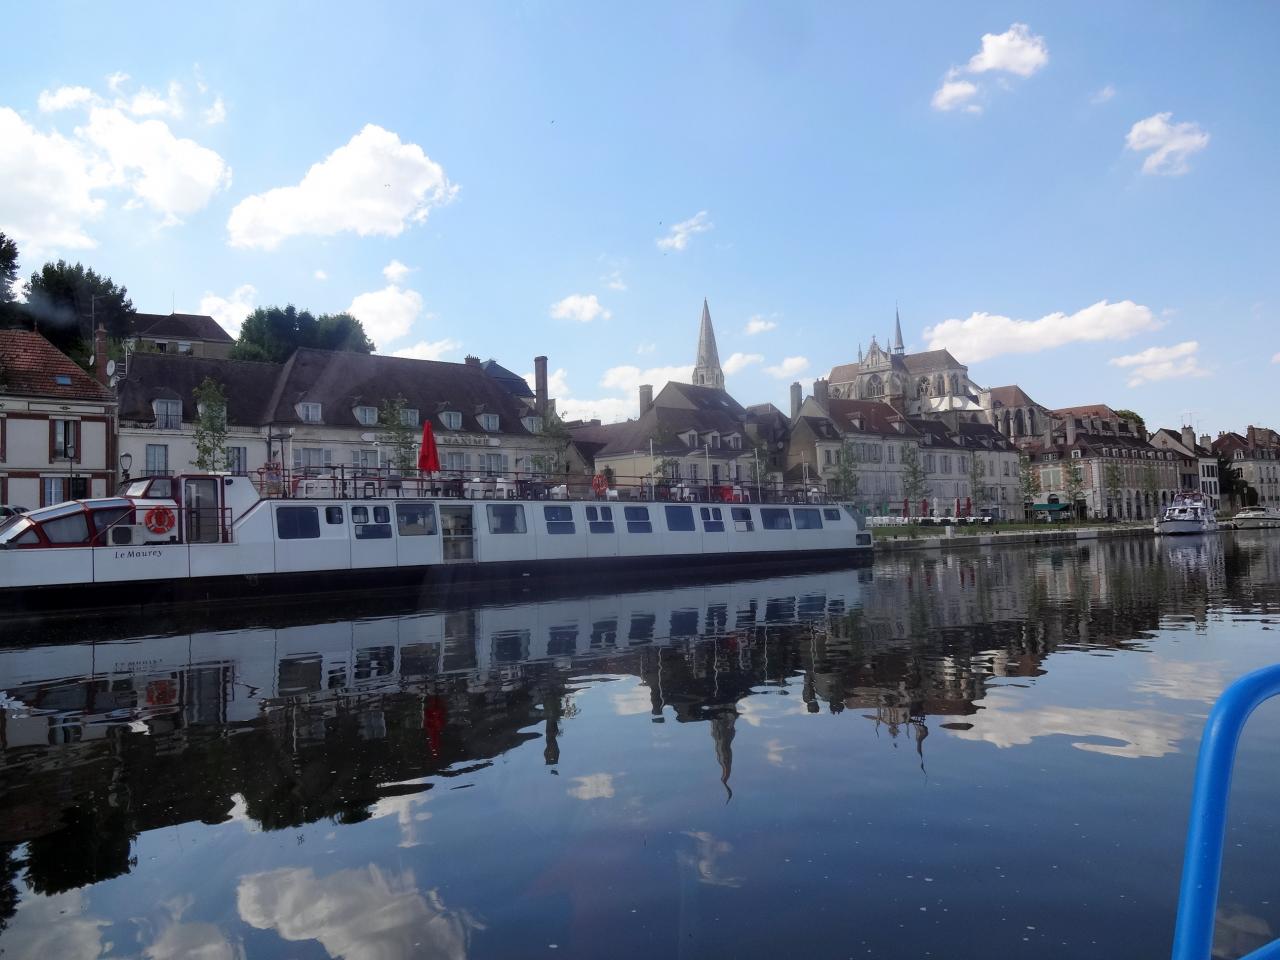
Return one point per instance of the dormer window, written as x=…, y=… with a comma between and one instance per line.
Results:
x=366, y=415
x=168, y=414
x=451, y=419
x=532, y=424
x=309, y=412
x=489, y=422
x=409, y=417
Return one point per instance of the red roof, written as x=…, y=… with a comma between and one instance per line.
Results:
x=31, y=366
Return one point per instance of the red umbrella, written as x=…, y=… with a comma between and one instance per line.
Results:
x=428, y=455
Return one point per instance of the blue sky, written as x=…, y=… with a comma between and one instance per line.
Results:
x=1044, y=189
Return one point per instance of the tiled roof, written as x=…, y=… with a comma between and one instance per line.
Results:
x=514, y=384
x=937, y=433
x=248, y=386
x=1088, y=410
x=877, y=417
x=30, y=366
x=929, y=361
x=678, y=408
x=179, y=326
x=1010, y=396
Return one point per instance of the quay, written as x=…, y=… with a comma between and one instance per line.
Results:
x=948, y=540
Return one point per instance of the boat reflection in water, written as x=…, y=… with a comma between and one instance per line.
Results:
x=132, y=764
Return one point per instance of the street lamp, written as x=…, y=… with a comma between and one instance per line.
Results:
x=126, y=461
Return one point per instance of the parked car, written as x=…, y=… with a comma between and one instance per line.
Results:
x=9, y=510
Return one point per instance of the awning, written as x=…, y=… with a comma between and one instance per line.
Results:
x=1051, y=507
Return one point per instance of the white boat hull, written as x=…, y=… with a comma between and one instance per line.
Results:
x=1173, y=528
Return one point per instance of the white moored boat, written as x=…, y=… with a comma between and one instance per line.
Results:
x=1257, y=518
x=1189, y=513
x=169, y=538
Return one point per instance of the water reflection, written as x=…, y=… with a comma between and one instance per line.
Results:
x=302, y=720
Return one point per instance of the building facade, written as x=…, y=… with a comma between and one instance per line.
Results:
x=1255, y=456
x=57, y=425
x=188, y=334
x=1199, y=462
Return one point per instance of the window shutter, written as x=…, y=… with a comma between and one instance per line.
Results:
x=328, y=458
x=75, y=434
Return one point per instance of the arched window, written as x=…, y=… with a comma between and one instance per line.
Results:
x=1019, y=426
x=955, y=385
x=1031, y=421
x=875, y=386
x=939, y=385
x=922, y=387
x=1008, y=424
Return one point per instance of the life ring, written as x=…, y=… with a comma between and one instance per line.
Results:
x=600, y=484
x=159, y=520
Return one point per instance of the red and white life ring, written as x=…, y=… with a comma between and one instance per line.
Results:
x=600, y=484
x=159, y=520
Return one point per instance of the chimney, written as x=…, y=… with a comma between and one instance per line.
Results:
x=646, y=397
x=1071, y=430
x=1206, y=441
x=540, y=385
x=820, y=392
x=100, y=354
x=472, y=361
x=797, y=398
x=1189, y=439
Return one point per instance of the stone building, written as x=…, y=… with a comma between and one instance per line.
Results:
x=706, y=367
x=1013, y=413
x=1200, y=463
x=190, y=334
x=1255, y=456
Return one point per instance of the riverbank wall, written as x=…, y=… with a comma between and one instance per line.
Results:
x=887, y=544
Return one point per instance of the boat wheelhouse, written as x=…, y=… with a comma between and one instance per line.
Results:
x=207, y=535
x=1188, y=513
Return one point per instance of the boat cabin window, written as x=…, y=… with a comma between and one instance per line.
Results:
x=742, y=521
x=379, y=528
x=136, y=488
x=333, y=515
x=712, y=520
x=107, y=517
x=775, y=518
x=73, y=528
x=637, y=519
x=416, y=519
x=831, y=513
x=559, y=519
x=297, y=523
x=506, y=518
x=808, y=518
x=19, y=532
x=600, y=519
x=161, y=487
x=680, y=519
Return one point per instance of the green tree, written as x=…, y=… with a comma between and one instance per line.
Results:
x=1151, y=486
x=915, y=483
x=210, y=426
x=845, y=475
x=1074, y=486
x=554, y=440
x=1130, y=415
x=977, y=470
x=1028, y=478
x=8, y=272
x=65, y=301
x=1113, y=480
x=271, y=334
x=397, y=434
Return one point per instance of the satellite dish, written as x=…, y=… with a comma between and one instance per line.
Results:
x=111, y=368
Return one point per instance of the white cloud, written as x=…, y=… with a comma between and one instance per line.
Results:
x=217, y=113
x=320, y=275
x=1016, y=51
x=1169, y=144
x=1162, y=363
x=116, y=80
x=955, y=93
x=628, y=378
x=557, y=384
x=374, y=185
x=387, y=314
x=788, y=368
x=172, y=175
x=50, y=181
x=986, y=335
x=594, y=786
x=613, y=280
x=64, y=98
x=759, y=324
x=1276, y=358
x=604, y=409
x=148, y=103
x=740, y=361
x=230, y=311
x=395, y=271
x=582, y=307
x=1103, y=95
x=55, y=926
x=647, y=347
x=429, y=349
x=678, y=237
x=632, y=701
x=359, y=914
x=706, y=861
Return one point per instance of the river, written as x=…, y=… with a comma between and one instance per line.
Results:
x=962, y=755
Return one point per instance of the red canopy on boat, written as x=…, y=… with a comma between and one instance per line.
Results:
x=428, y=455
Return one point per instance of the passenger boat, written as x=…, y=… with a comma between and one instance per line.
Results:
x=1257, y=518
x=207, y=535
x=1189, y=513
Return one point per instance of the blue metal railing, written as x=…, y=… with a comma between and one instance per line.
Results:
x=1202, y=862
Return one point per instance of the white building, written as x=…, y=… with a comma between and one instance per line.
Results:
x=57, y=425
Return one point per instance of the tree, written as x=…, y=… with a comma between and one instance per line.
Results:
x=8, y=269
x=977, y=470
x=211, y=426
x=1074, y=486
x=1232, y=486
x=1028, y=478
x=915, y=483
x=271, y=334
x=555, y=437
x=1151, y=486
x=1113, y=480
x=1130, y=415
x=845, y=480
x=65, y=302
x=397, y=434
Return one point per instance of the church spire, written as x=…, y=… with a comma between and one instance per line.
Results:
x=706, y=369
x=897, y=332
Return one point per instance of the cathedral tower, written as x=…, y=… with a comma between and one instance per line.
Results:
x=706, y=369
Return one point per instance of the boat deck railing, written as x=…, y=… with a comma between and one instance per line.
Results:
x=364, y=483
x=1202, y=861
